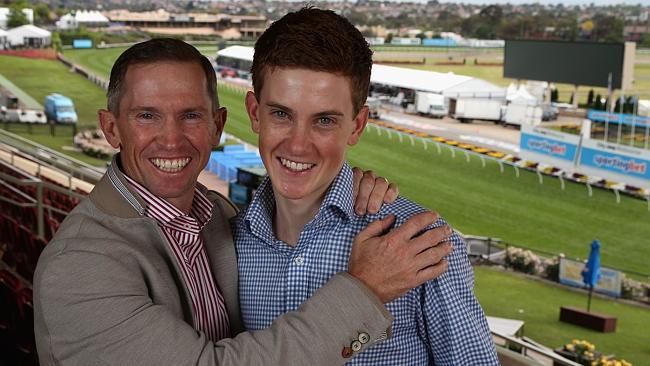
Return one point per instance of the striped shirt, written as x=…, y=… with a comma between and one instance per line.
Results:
x=183, y=236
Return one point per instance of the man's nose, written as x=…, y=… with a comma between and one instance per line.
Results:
x=171, y=133
x=299, y=138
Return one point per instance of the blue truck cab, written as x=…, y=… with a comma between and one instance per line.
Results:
x=60, y=109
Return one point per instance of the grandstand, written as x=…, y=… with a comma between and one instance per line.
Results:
x=38, y=188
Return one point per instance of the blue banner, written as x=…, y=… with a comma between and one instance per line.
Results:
x=439, y=42
x=626, y=119
x=615, y=163
x=547, y=146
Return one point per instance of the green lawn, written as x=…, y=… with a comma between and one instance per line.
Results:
x=41, y=77
x=482, y=201
x=503, y=294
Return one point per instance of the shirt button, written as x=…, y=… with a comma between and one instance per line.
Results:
x=299, y=260
x=356, y=346
x=364, y=338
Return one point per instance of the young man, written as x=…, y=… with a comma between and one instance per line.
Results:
x=311, y=73
x=144, y=272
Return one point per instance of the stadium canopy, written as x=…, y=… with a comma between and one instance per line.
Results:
x=238, y=52
x=448, y=84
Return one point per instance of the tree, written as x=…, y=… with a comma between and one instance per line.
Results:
x=42, y=14
x=16, y=17
x=607, y=28
x=598, y=104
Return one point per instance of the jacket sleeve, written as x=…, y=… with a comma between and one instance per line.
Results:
x=90, y=309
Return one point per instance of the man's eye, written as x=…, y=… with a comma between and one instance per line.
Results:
x=145, y=115
x=326, y=121
x=280, y=114
x=192, y=115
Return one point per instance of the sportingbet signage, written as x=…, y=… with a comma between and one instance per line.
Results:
x=549, y=146
x=609, y=282
x=616, y=162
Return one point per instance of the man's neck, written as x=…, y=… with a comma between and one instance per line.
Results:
x=291, y=216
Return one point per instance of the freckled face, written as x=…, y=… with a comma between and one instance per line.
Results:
x=166, y=128
x=305, y=120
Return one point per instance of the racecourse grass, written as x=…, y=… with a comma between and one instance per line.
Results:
x=514, y=296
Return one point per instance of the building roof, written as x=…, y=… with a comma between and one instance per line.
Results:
x=90, y=16
x=29, y=31
x=238, y=52
x=449, y=84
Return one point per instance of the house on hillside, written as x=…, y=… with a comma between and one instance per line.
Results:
x=29, y=36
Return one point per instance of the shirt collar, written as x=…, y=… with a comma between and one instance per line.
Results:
x=165, y=213
x=338, y=199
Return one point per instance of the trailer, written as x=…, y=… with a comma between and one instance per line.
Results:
x=468, y=109
x=522, y=114
x=430, y=104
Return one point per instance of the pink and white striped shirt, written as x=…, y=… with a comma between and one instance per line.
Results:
x=183, y=236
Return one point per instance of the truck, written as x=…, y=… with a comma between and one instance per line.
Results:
x=468, y=109
x=60, y=109
x=522, y=114
x=430, y=104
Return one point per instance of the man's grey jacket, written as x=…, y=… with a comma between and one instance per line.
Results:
x=108, y=291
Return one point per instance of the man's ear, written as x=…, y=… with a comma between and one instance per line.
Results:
x=219, y=117
x=360, y=122
x=108, y=124
x=252, y=107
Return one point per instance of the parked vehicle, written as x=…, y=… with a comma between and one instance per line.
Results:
x=468, y=109
x=60, y=109
x=430, y=104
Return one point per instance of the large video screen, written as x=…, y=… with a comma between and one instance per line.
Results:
x=577, y=63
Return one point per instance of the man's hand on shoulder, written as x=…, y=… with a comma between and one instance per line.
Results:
x=371, y=192
x=390, y=263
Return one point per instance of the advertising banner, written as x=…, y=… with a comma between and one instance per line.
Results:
x=609, y=282
x=626, y=119
x=549, y=146
x=615, y=162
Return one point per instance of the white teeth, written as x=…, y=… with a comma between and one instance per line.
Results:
x=295, y=166
x=170, y=165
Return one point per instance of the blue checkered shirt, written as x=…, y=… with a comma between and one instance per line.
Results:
x=439, y=322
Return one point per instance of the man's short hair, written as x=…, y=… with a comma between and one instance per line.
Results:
x=152, y=51
x=319, y=40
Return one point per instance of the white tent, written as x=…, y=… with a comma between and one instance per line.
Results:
x=521, y=96
x=448, y=84
x=29, y=36
x=238, y=52
x=644, y=107
x=88, y=18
